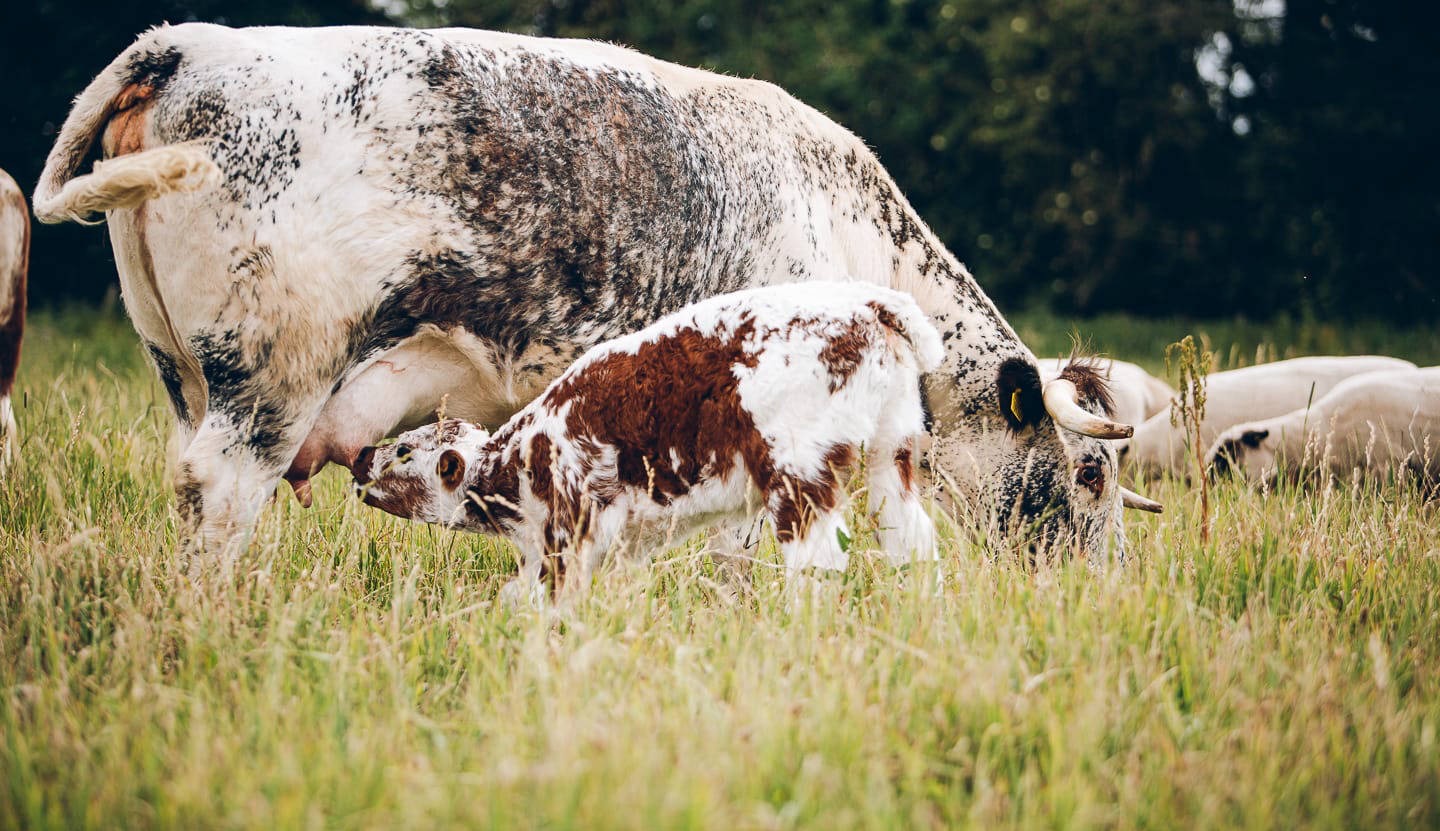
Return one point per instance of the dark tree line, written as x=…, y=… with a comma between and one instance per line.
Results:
x=1203, y=157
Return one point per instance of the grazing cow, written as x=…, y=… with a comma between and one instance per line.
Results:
x=765, y=395
x=321, y=231
x=1378, y=423
x=1240, y=395
x=1137, y=395
x=14, y=268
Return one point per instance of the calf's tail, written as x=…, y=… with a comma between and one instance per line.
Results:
x=909, y=322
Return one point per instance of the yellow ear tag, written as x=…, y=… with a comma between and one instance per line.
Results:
x=1015, y=406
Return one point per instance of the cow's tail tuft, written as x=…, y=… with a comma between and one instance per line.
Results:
x=127, y=181
x=917, y=330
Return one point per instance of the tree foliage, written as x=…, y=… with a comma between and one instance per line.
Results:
x=1072, y=152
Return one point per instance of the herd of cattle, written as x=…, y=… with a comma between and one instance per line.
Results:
x=329, y=236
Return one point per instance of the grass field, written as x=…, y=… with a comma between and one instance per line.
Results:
x=356, y=672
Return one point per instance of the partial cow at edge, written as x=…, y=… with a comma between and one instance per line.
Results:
x=322, y=233
x=14, y=271
x=1380, y=424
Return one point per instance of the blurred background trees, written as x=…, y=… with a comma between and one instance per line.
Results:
x=1208, y=157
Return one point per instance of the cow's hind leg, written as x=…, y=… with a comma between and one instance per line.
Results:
x=254, y=423
x=221, y=483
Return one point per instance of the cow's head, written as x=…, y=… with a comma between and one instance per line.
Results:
x=1051, y=478
x=423, y=475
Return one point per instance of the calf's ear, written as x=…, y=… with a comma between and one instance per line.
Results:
x=451, y=469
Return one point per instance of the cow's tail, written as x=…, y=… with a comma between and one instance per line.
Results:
x=910, y=322
x=122, y=182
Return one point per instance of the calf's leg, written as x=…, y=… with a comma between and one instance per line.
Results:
x=905, y=529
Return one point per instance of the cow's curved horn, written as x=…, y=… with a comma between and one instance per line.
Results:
x=1131, y=499
x=1062, y=402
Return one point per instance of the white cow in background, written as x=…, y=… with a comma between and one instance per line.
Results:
x=1241, y=395
x=1378, y=423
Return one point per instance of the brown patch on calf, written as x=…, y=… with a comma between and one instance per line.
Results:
x=905, y=466
x=1093, y=389
x=678, y=393
x=843, y=352
x=801, y=500
x=125, y=133
x=494, y=495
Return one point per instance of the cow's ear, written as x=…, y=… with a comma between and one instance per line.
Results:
x=1252, y=438
x=450, y=469
x=1018, y=394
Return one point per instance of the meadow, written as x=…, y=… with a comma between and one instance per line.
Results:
x=355, y=672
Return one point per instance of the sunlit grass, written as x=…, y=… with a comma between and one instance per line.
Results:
x=355, y=672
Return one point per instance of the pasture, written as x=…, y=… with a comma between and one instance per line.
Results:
x=354, y=671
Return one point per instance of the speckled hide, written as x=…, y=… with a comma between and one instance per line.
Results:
x=760, y=399
x=393, y=216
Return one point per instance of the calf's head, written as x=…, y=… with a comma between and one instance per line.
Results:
x=424, y=474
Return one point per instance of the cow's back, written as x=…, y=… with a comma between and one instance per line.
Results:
x=523, y=188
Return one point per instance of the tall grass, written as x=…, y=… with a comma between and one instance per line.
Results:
x=355, y=671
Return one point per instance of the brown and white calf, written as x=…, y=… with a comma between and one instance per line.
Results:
x=753, y=401
x=14, y=267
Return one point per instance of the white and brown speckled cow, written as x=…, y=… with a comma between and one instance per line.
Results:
x=14, y=269
x=756, y=399
x=320, y=232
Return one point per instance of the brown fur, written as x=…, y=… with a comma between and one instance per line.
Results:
x=801, y=500
x=125, y=133
x=675, y=393
x=1084, y=373
x=842, y=354
x=905, y=464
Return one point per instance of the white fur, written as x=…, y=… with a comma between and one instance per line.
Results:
x=9, y=433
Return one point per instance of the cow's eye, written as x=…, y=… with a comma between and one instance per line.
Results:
x=1091, y=476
